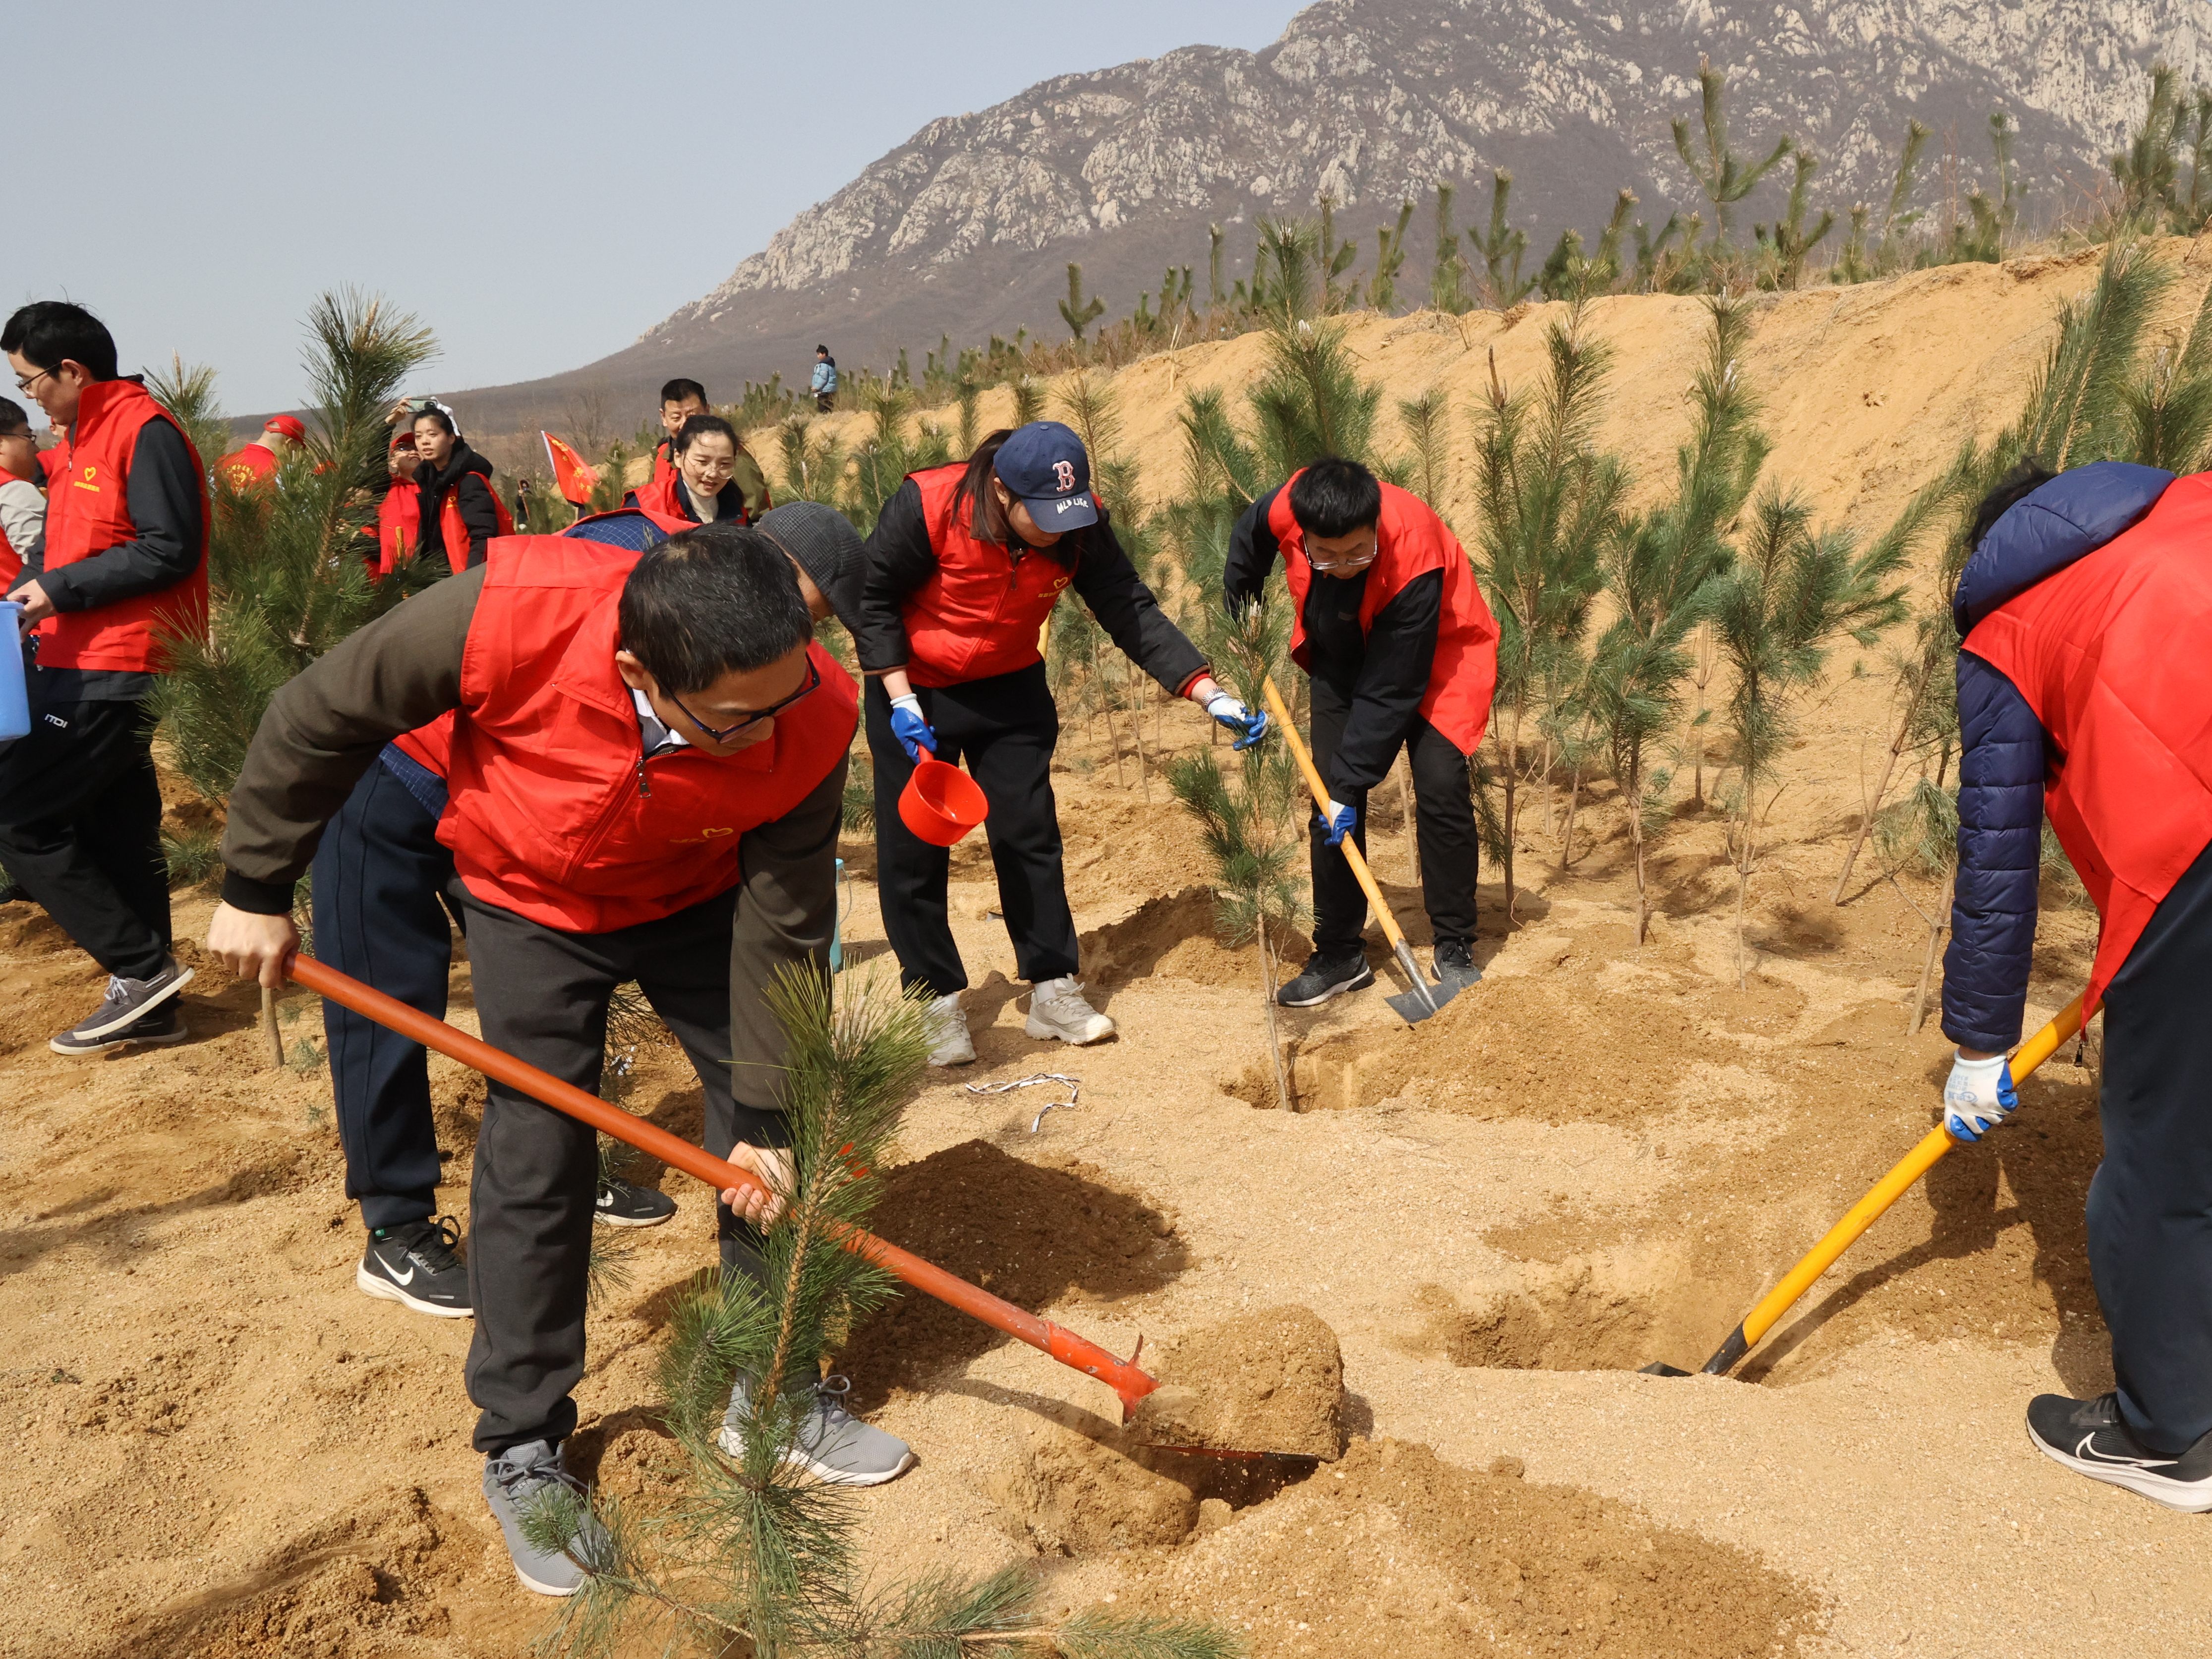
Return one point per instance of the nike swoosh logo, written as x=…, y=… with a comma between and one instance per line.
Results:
x=407, y=1277
x=2087, y=1453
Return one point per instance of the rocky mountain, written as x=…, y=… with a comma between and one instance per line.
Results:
x=966, y=228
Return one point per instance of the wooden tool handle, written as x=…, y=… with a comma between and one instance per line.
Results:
x=1350, y=848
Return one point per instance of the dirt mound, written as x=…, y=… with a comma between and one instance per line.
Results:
x=1394, y=1550
x=1035, y=1233
x=1068, y=1494
x=1269, y=1381
x=1175, y=938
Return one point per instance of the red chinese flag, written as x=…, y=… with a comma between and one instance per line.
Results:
x=571, y=477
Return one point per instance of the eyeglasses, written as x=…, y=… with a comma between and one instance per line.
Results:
x=723, y=734
x=1355, y=562
x=22, y=385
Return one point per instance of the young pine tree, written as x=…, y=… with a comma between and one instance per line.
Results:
x=1725, y=177
x=1548, y=500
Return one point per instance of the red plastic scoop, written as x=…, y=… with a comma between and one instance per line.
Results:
x=941, y=803
x=1083, y=1355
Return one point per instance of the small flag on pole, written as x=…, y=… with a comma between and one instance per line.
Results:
x=571, y=475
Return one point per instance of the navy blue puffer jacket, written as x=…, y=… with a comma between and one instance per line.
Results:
x=2002, y=747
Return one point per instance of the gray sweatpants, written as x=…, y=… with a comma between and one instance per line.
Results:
x=543, y=996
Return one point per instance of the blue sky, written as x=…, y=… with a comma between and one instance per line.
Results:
x=538, y=183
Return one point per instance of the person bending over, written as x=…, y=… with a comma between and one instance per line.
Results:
x=965, y=564
x=1403, y=654
x=2085, y=609
x=645, y=772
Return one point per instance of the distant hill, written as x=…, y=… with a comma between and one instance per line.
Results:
x=966, y=230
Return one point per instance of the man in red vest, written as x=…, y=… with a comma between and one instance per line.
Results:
x=1403, y=654
x=2086, y=611
x=253, y=464
x=124, y=569
x=644, y=757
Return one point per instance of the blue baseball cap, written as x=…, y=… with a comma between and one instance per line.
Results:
x=1043, y=466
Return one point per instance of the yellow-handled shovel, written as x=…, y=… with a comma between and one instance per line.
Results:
x=1864, y=1213
x=1424, y=998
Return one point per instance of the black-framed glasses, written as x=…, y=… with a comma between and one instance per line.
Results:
x=723, y=734
x=22, y=385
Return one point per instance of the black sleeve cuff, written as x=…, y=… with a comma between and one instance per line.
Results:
x=260, y=898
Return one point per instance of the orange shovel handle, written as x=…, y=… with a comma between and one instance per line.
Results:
x=1083, y=1355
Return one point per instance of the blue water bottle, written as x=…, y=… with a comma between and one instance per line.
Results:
x=14, y=696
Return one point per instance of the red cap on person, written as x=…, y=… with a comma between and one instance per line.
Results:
x=289, y=425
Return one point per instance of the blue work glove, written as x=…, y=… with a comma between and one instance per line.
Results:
x=1249, y=725
x=1338, y=821
x=910, y=728
x=1978, y=1096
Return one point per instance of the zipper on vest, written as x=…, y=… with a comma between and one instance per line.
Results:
x=643, y=787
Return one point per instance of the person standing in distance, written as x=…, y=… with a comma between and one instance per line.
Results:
x=965, y=565
x=22, y=496
x=253, y=464
x=1403, y=654
x=824, y=383
x=457, y=513
x=680, y=399
x=124, y=567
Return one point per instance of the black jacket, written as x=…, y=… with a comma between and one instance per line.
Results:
x=467, y=476
x=1384, y=673
x=901, y=559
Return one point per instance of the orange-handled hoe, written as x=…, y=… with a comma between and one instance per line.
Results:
x=1864, y=1213
x=1120, y=1374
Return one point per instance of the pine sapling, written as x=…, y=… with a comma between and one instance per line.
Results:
x=1725, y=177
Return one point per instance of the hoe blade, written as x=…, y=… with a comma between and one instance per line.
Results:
x=1428, y=995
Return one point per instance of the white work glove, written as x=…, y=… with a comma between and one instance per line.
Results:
x=1232, y=712
x=1978, y=1096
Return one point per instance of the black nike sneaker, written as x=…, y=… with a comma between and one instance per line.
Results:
x=415, y=1266
x=620, y=1205
x=2090, y=1437
x=1453, y=960
x=1325, y=977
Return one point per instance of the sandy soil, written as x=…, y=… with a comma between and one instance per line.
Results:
x=1598, y=1157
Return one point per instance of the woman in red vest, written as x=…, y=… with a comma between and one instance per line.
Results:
x=703, y=487
x=399, y=509
x=2086, y=613
x=22, y=496
x=965, y=564
x=644, y=761
x=1403, y=654
x=458, y=510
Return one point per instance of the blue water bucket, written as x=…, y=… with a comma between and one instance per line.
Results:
x=14, y=696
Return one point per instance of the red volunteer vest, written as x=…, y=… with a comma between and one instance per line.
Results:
x=455, y=534
x=1410, y=541
x=2110, y=654
x=555, y=813
x=980, y=613
x=88, y=512
x=398, y=522
x=244, y=468
x=659, y=501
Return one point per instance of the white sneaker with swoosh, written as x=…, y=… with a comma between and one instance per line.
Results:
x=415, y=1266
x=2091, y=1437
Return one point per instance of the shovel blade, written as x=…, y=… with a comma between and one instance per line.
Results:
x=1661, y=1368
x=1415, y=1008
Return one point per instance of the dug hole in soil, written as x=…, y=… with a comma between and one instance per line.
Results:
x=1597, y=1157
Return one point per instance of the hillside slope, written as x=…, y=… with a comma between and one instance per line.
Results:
x=965, y=229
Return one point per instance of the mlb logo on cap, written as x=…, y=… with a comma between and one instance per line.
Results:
x=1043, y=466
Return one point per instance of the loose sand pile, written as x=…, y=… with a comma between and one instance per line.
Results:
x=1266, y=1382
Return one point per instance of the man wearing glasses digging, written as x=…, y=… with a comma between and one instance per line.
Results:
x=645, y=773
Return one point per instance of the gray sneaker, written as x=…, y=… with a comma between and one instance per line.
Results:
x=127, y=1002
x=833, y=1446
x=517, y=1481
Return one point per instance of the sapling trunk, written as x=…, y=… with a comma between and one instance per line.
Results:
x=1274, y=1037
x=1938, y=925
x=1743, y=889
x=1897, y=748
x=1574, y=801
x=1137, y=733
x=271, y=1030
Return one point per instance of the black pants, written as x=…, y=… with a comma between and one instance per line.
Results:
x=381, y=916
x=81, y=830
x=542, y=995
x=1444, y=808
x=1006, y=728
x=2150, y=1206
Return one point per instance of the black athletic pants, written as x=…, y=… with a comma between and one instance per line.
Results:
x=1006, y=728
x=81, y=830
x=1443, y=809
x=542, y=995
x=2150, y=1206
x=381, y=916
